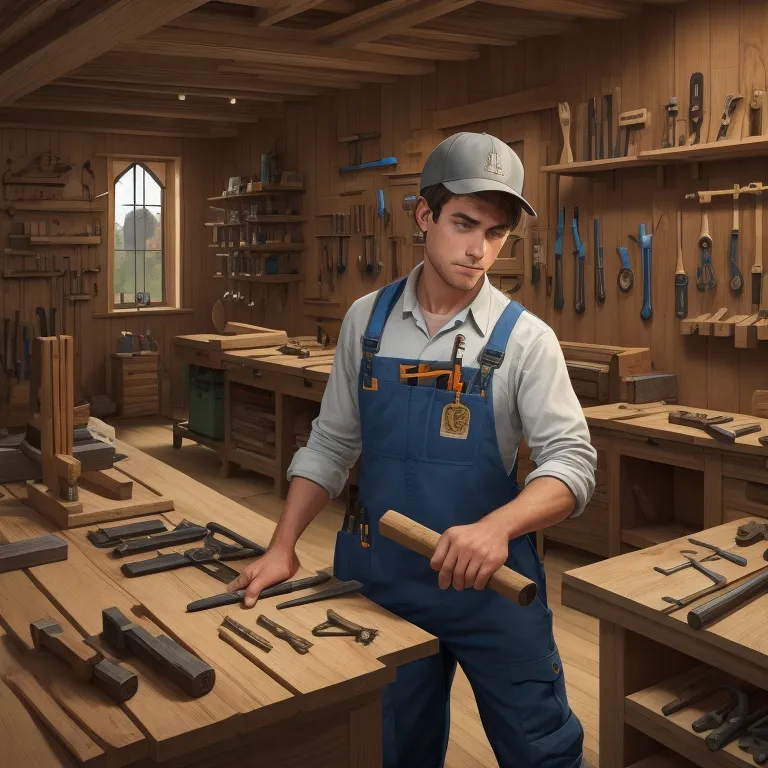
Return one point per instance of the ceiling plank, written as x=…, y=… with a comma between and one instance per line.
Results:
x=591, y=9
x=170, y=90
x=290, y=9
x=319, y=78
x=80, y=34
x=414, y=49
x=332, y=6
x=20, y=17
x=367, y=16
x=171, y=42
x=90, y=123
x=461, y=38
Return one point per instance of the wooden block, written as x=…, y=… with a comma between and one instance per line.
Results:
x=30, y=552
x=24, y=744
x=242, y=340
x=44, y=348
x=109, y=482
x=649, y=388
x=727, y=326
x=706, y=326
x=760, y=403
x=745, y=334
x=690, y=326
x=62, y=642
x=76, y=742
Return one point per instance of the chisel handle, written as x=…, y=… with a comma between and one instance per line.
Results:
x=579, y=305
x=559, y=301
x=711, y=611
x=423, y=541
x=681, y=296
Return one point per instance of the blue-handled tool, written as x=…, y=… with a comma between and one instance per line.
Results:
x=581, y=254
x=645, y=241
x=737, y=279
x=383, y=163
x=559, y=260
x=599, y=272
x=705, y=274
x=626, y=277
x=681, y=279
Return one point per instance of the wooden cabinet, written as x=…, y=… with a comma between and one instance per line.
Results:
x=135, y=384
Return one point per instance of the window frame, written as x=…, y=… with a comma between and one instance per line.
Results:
x=159, y=167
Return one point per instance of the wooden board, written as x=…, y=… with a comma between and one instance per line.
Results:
x=34, y=551
x=217, y=342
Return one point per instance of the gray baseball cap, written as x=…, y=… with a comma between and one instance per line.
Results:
x=475, y=162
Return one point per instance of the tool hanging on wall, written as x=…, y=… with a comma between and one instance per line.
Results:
x=564, y=112
x=626, y=278
x=705, y=273
x=757, y=266
x=737, y=279
x=591, y=130
x=581, y=254
x=599, y=272
x=757, y=119
x=611, y=106
x=695, y=108
x=537, y=253
x=630, y=124
x=668, y=139
x=559, y=302
x=645, y=241
x=383, y=214
x=731, y=102
x=681, y=279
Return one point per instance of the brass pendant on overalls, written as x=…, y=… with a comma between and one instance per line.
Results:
x=455, y=420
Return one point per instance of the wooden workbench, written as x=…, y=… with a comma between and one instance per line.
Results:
x=648, y=658
x=321, y=709
x=296, y=388
x=655, y=480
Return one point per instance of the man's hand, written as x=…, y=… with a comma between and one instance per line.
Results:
x=468, y=555
x=276, y=565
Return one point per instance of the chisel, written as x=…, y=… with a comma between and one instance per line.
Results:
x=232, y=598
x=757, y=267
x=737, y=279
x=559, y=260
x=599, y=273
x=708, y=613
x=681, y=279
x=580, y=254
x=729, y=435
x=345, y=588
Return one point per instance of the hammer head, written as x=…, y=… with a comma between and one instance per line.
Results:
x=113, y=624
x=41, y=628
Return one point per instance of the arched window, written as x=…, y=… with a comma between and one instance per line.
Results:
x=139, y=236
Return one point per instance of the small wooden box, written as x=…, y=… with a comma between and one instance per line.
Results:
x=135, y=381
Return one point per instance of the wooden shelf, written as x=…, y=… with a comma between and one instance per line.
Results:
x=664, y=759
x=15, y=252
x=261, y=278
x=658, y=533
x=268, y=248
x=30, y=274
x=261, y=193
x=55, y=206
x=358, y=137
x=66, y=240
x=33, y=181
x=402, y=174
x=727, y=149
x=268, y=219
x=248, y=460
x=642, y=710
x=181, y=430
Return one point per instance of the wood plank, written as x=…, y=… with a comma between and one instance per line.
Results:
x=112, y=481
x=84, y=32
x=534, y=100
x=30, y=552
x=288, y=10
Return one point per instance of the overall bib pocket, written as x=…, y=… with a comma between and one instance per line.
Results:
x=386, y=404
x=351, y=560
x=453, y=434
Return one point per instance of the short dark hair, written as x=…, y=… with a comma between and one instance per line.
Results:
x=438, y=195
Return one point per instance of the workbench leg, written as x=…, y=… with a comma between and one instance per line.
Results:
x=713, y=490
x=365, y=736
x=613, y=471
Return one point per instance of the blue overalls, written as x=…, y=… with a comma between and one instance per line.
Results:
x=507, y=652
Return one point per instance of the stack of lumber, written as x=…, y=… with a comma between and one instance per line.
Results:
x=252, y=420
x=606, y=374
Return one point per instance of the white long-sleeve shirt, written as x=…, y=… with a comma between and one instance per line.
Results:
x=532, y=392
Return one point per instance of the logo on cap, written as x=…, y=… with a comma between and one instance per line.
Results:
x=493, y=163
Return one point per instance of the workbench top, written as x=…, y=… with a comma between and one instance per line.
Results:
x=625, y=590
x=651, y=420
x=159, y=723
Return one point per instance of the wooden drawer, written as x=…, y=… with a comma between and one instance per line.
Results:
x=739, y=465
x=207, y=357
x=137, y=363
x=306, y=389
x=662, y=451
x=256, y=378
x=744, y=497
x=588, y=531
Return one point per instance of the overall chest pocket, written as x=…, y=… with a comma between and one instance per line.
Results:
x=453, y=434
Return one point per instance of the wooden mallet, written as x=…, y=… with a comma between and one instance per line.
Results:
x=423, y=541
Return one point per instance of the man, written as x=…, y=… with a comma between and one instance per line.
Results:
x=439, y=427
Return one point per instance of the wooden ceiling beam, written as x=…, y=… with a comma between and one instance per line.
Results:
x=332, y=6
x=169, y=90
x=119, y=124
x=20, y=17
x=170, y=41
x=288, y=10
x=590, y=9
x=415, y=34
x=309, y=78
x=80, y=34
x=415, y=49
x=521, y=23
x=367, y=16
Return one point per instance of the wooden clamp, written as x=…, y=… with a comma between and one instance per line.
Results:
x=86, y=662
x=423, y=541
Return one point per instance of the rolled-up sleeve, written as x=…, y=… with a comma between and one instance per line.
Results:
x=334, y=444
x=553, y=421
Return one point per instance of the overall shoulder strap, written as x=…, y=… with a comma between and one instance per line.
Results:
x=383, y=305
x=492, y=355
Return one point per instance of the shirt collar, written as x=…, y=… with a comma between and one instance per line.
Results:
x=479, y=309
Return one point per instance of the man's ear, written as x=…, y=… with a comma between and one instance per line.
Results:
x=422, y=213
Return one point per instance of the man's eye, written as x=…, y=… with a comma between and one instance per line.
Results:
x=496, y=235
x=463, y=225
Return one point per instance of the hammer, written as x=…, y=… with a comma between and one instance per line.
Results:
x=87, y=663
x=163, y=654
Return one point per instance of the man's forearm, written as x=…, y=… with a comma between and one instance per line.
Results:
x=545, y=501
x=305, y=501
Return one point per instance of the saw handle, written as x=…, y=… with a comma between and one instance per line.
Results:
x=423, y=541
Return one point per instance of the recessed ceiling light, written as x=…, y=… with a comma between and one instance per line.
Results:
x=182, y=97
x=233, y=100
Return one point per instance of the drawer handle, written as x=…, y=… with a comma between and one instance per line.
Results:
x=308, y=383
x=256, y=374
x=653, y=442
x=201, y=353
x=756, y=492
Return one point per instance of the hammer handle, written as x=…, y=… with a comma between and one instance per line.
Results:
x=73, y=652
x=711, y=611
x=423, y=541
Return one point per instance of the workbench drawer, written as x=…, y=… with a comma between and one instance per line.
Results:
x=744, y=497
x=192, y=356
x=256, y=378
x=298, y=386
x=588, y=531
x=661, y=451
x=745, y=467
